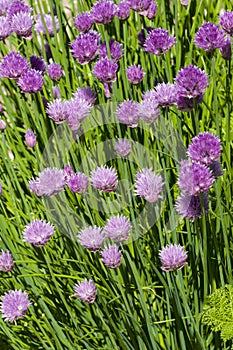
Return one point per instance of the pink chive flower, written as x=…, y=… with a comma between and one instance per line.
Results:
x=111, y=256
x=14, y=304
x=86, y=291
x=91, y=238
x=173, y=257
x=117, y=228
x=38, y=232
x=30, y=138
x=123, y=148
x=6, y=261
x=104, y=179
x=148, y=185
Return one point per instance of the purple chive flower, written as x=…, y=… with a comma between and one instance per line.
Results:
x=5, y=28
x=205, y=148
x=2, y=124
x=103, y=11
x=190, y=206
x=186, y=104
x=13, y=65
x=148, y=185
x=86, y=291
x=194, y=177
x=105, y=70
x=4, y=6
x=123, y=10
x=111, y=256
x=142, y=35
x=104, y=179
x=116, y=51
x=68, y=173
x=49, y=182
x=165, y=94
x=225, y=50
x=128, y=113
x=55, y=71
x=209, y=37
x=135, y=74
x=30, y=138
x=139, y=6
x=78, y=183
x=173, y=257
x=48, y=20
x=83, y=21
x=123, y=148
x=38, y=232
x=152, y=10
x=18, y=7
x=184, y=2
x=14, y=304
x=22, y=24
x=31, y=81
x=91, y=238
x=6, y=261
x=191, y=82
x=85, y=93
x=117, y=228
x=77, y=110
x=148, y=108
x=56, y=92
x=57, y=110
x=158, y=41
x=226, y=21
x=216, y=169
x=38, y=63
x=85, y=46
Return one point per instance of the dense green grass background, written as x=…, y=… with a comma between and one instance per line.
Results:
x=138, y=306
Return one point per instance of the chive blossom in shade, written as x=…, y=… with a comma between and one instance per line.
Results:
x=50, y=182
x=104, y=179
x=22, y=24
x=77, y=110
x=78, y=183
x=13, y=65
x=85, y=93
x=18, y=7
x=86, y=291
x=190, y=207
x=128, y=113
x=6, y=261
x=216, y=168
x=186, y=103
x=173, y=257
x=48, y=20
x=31, y=81
x=148, y=185
x=68, y=173
x=111, y=256
x=117, y=228
x=83, y=21
x=225, y=50
x=148, y=110
x=103, y=11
x=14, y=305
x=105, y=70
x=194, y=177
x=92, y=238
x=38, y=232
x=116, y=50
x=57, y=110
x=158, y=41
x=85, y=46
x=5, y=28
x=123, y=10
x=55, y=71
x=165, y=94
x=38, y=63
x=205, y=148
x=209, y=37
x=226, y=22
x=152, y=10
x=139, y=6
x=30, y=138
x=135, y=74
x=123, y=148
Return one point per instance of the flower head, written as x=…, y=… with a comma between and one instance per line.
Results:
x=116, y=51
x=190, y=206
x=123, y=10
x=187, y=103
x=148, y=110
x=158, y=41
x=205, y=148
x=48, y=20
x=85, y=93
x=68, y=173
x=226, y=21
x=30, y=138
x=85, y=46
x=78, y=183
x=152, y=10
x=31, y=81
x=13, y=65
x=117, y=228
x=77, y=110
x=5, y=28
x=38, y=232
x=6, y=261
x=135, y=74
x=17, y=7
x=22, y=24
x=216, y=169
x=4, y=6
x=105, y=70
x=103, y=11
x=139, y=6
x=194, y=177
x=123, y=148
x=111, y=256
x=148, y=185
x=38, y=63
x=91, y=238
x=165, y=94
x=209, y=37
x=55, y=71
x=83, y=21
x=86, y=291
x=14, y=304
x=57, y=110
x=225, y=50
x=104, y=179
x=2, y=124
x=128, y=113
x=49, y=182
x=173, y=257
